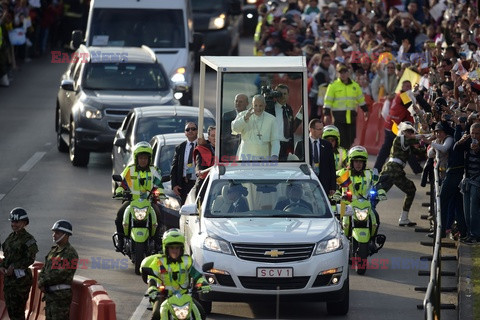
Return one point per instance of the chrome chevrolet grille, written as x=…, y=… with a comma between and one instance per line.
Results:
x=273, y=253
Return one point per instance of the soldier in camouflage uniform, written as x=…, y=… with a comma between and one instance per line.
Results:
x=19, y=250
x=392, y=172
x=56, y=278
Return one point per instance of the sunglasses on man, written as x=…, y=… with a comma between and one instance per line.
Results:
x=190, y=129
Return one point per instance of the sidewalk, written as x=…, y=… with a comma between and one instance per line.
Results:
x=465, y=283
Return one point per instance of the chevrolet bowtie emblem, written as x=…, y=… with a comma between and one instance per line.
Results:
x=274, y=253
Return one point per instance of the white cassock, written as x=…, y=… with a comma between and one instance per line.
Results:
x=259, y=136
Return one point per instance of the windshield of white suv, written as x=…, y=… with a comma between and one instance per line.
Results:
x=125, y=76
x=266, y=199
x=136, y=27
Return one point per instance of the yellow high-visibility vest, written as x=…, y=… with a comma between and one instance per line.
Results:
x=344, y=97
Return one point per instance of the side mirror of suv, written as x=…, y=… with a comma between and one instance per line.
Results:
x=77, y=39
x=67, y=85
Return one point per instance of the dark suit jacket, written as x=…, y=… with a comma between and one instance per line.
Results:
x=229, y=142
x=242, y=205
x=286, y=147
x=282, y=204
x=327, y=174
x=176, y=173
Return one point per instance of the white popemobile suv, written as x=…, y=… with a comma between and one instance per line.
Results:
x=267, y=225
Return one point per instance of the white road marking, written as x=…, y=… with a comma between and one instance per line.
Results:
x=142, y=307
x=31, y=162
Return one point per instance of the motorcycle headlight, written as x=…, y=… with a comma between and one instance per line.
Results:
x=329, y=245
x=217, y=23
x=181, y=312
x=217, y=245
x=140, y=213
x=361, y=214
x=90, y=112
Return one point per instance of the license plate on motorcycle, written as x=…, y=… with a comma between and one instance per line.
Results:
x=274, y=272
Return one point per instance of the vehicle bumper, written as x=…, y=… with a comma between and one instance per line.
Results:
x=307, y=281
x=94, y=139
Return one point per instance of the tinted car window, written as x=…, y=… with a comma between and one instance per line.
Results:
x=124, y=76
x=147, y=127
x=207, y=5
x=126, y=27
x=268, y=198
x=166, y=156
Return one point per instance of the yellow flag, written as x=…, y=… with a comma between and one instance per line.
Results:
x=410, y=75
x=405, y=98
x=394, y=127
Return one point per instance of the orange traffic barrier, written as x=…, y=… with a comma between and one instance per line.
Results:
x=81, y=300
x=102, y=306
x=34, y=309
x=374, y=133
x=3, y=306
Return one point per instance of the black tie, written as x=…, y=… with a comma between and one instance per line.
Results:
x=190, y=159
x=286, y=123
x=315, y=152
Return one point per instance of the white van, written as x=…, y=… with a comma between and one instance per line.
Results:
x=165, y=26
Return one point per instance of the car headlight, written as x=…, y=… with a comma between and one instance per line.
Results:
x=217, y=245
x=329, y=245
x=217, y=23
x=361, y=214
x=181, y=312
x=179, y=75
x=172, y=203
x=251, y=1
x=91, y=112
x=140, y=213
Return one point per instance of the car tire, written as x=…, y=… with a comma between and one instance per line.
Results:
x=340, y=308
x=360, y=255
x=206, y=305
x=78, y=156
x=62, y=146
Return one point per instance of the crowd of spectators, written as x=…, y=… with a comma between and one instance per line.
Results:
x=437, y=41
x=29, y=29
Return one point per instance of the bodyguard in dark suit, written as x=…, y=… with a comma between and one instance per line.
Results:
x=182, y=173
x=230, y=142
x=286, y=121
x=321, y=156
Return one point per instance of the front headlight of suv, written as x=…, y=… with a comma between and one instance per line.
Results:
x=217, y=23
x=329, y=244
x=217, y=245
x=90, y=112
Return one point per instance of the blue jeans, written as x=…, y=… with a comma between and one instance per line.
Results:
x=471, y=205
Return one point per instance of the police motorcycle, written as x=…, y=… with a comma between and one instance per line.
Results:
x=179, y=305
x=358, y=216
x=139, y=225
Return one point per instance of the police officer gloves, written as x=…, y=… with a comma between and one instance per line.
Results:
x=337, y=196
x=205, y=288
x=119, y=192
x=152, y=294
x=381, y=194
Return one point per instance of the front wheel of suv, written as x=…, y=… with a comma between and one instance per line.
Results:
x=61, y=144
x=78, y=156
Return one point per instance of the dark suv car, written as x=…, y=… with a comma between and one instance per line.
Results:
x=221, y=23
x=99, y=88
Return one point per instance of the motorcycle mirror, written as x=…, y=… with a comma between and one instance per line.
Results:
x=207, y=266
x=117, y=178
x=147, y=272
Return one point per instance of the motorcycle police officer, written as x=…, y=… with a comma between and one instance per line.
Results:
x=139, y=177
x=360, y=182
x=56, y=276
x=19, y=250
x=173, y=269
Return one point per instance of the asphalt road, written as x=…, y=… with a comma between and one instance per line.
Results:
x=34, y=175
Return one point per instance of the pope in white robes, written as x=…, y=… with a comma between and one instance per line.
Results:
x=258, y=131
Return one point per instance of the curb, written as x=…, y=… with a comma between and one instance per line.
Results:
x=465, y=304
